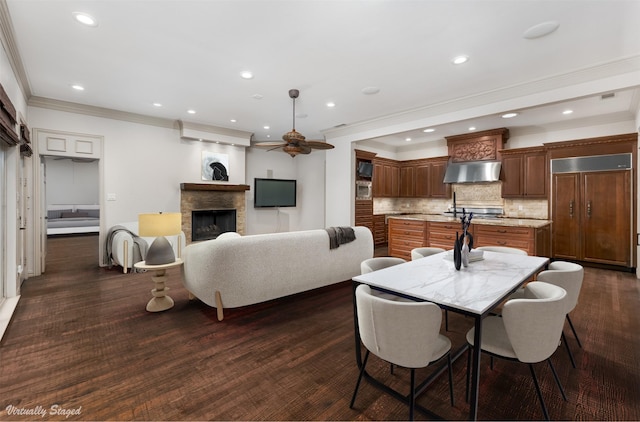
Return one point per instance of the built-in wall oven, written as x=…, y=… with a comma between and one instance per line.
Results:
x=363, y=190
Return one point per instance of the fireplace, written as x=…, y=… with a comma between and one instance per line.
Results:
x=209, y=224
x=212, y=196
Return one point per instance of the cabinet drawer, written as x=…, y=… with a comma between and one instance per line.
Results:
x=407, y=224
x=498, y=231
x=523, y=244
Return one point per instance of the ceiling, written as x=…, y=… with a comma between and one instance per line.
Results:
x=188, y=54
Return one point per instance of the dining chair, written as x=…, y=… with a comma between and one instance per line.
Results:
x=569, y=276
x=503, y=249
x=528, y=331
x=417, y=253
x=406, y=334
x=379, y=263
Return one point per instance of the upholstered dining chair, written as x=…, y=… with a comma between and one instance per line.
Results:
x=503, y=249
x=406, y=334
x=378, y=263
x=418, y=253
x=569, y=276
x=528, y=331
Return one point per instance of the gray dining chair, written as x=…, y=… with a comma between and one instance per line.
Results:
x=528, y=331
x=406, y=334
x=503, y=249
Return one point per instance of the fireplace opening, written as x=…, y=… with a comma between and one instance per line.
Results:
x=209, y=224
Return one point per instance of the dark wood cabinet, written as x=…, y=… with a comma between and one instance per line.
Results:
x=592, y=217
x=405, y=235
x=423, y=178
x=364, y=214
x=386, y=178
x=536, y=241
x=525, y=173
x=443, y=234
x=379, y=229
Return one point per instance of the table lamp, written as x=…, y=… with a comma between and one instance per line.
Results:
x=160, y=225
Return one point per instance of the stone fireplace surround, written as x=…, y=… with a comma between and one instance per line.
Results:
x=212, y=196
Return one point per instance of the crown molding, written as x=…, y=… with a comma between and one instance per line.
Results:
x=106, y=113
x=10, y=47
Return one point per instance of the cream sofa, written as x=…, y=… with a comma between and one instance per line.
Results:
x=123, y=248
x=229, y=272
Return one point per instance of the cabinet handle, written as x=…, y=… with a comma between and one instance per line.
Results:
x=501, y=231
x=500, y=242
x=589, y=209
x=571, y=208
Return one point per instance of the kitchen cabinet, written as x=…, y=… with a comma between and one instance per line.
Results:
x=443, y=235
x=386, y=178
x=407, y=180
x=525, y=173
x=591, y=213
x=379, y=229
x=536, y=241
x=424, y=178
x=405, y=235
x=364, y=214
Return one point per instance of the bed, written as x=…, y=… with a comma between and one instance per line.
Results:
x=71, y=219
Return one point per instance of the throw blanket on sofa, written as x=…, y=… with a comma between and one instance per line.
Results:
x=340, y=235
x=139, y=246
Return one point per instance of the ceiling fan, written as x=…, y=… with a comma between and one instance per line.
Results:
x=294, y=143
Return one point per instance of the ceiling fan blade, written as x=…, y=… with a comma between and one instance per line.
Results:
x=318, y=145
x=277, y=144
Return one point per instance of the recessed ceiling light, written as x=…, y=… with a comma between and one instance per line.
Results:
x=77, y=87
x=266, y=127
x=567, y=112
x=85, y=19
x=509, y=115
x=331, y=104
x=157, y=105
x=460, y=59
x=246, y=75
x=540, y=30
x=407, y=139
x=370, y=90
x=233, y=120
x=191, y=111
x=472, y=128
x=256, y=96
x=429, y=130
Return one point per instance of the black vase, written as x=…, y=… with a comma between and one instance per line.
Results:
x=457, y=252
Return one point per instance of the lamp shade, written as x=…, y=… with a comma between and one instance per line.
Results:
x=159, y=224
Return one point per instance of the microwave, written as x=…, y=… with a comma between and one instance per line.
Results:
x=363, y=189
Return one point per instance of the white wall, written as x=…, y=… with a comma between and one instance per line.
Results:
x=72, y=182
x=144, y=166
x=308, y=170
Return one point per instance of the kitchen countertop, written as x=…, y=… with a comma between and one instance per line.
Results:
x=512, y=222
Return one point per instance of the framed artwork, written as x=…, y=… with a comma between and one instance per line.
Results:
x=215, y=166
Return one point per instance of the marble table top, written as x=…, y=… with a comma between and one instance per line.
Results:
x=476, y=289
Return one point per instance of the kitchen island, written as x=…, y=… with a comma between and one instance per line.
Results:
x=410, y=231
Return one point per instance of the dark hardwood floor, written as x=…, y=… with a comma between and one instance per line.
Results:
x=82, y=339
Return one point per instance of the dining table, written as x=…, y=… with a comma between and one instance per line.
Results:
x=475, y=291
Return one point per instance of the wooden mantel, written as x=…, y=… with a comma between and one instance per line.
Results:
x=213, y=187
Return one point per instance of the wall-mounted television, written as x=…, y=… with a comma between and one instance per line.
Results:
x=274, y=193
x=365, y=169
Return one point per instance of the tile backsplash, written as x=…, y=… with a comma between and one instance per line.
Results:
x=467, y=195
